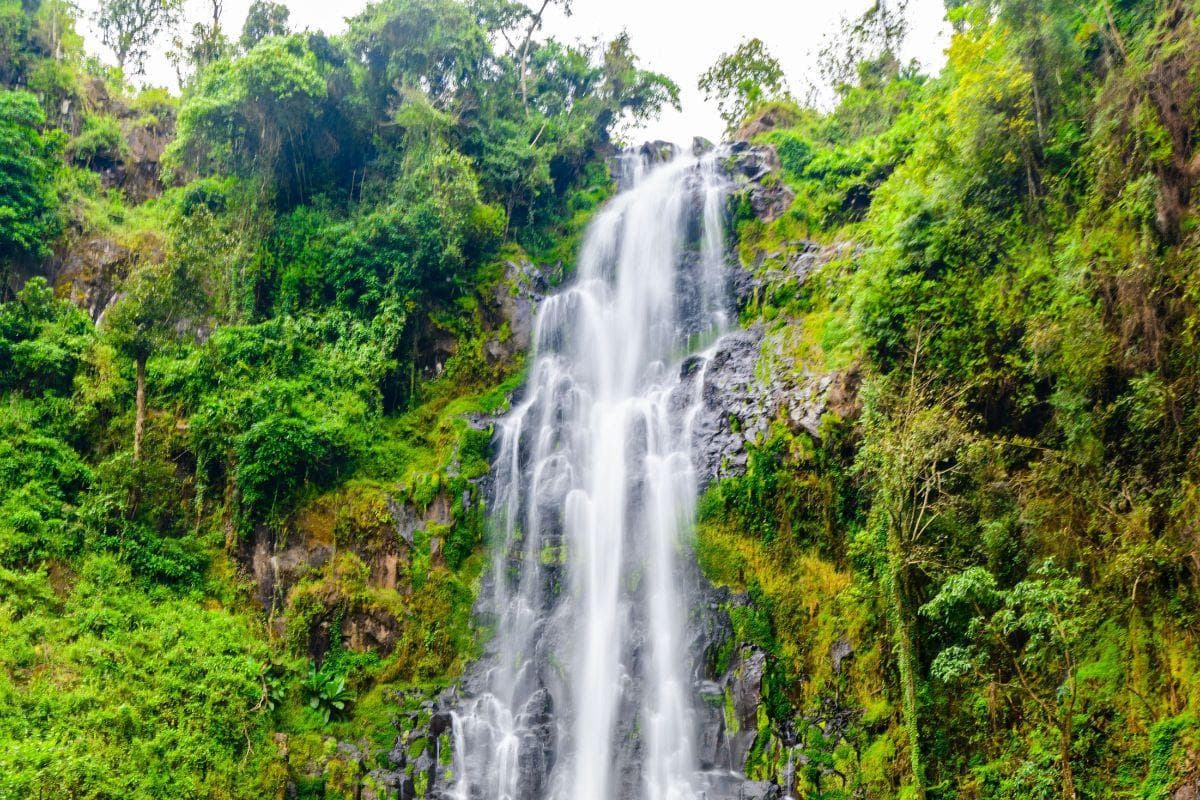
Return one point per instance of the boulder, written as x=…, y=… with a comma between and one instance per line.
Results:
x=90, y=273
x=514, y=303
x=767, y=119
x=1189, y=789
x=754, y=170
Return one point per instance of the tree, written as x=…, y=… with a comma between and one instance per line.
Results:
x=629, y=90
x=130, y=27
x=914, y=447
x=741, y=80
x=28, y=204
x=208, y=40
x=253, y=116
x=1025, y=639
x=873, y=37
x=156, y=301
x=535, y=22
x=264, y=19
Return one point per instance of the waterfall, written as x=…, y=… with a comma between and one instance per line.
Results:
x=586, y=689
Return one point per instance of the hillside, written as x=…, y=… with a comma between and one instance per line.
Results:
x=254, y=338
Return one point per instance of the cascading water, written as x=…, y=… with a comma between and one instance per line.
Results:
x=586, y=690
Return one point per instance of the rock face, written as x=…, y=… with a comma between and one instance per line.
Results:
x=738, y=406
x=734, y=410
x=90, y=273
x=755, y=170
x=136, y=169
x=278, y=561
x=514, y=303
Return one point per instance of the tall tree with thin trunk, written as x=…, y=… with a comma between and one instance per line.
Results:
x=535, y=23
x=156, y=300
x=130, y=28
x=915, y=446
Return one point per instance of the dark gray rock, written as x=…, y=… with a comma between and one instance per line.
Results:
x=743, y=682
x=731, y=411
x=839, y=651
x=760, y=790
x=755, y=171
x=514, y=305
x=658, y=151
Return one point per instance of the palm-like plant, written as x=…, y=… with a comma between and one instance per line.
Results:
x=328, y=695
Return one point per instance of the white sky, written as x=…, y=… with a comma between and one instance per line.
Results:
x=680, y=38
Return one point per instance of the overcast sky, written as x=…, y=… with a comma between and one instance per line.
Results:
x=680, y=38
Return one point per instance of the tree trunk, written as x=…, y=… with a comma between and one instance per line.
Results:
x=1068, y=774
x=907, y=661
x=534, y=24
x=139, y=421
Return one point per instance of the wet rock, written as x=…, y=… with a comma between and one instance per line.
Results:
x=712, y=724
x=731, y=405
x=743, y=682
x=701, y=146
x=658, y=151
x=760, y=790
x=514, y=304
x=755, y=172
x=419, y=755
x=839, y=651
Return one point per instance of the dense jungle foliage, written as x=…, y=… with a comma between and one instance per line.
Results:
x=285, y=338
x=982, y=580
x=260, y=314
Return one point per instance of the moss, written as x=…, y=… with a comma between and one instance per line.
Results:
x=732, y=725
x=416, y=747
x=1172, y=743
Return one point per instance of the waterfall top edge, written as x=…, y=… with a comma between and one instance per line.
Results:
x=631, y=166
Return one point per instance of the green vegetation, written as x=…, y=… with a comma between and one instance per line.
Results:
x=240, y=396
x=1000, y=521
x=275, y=346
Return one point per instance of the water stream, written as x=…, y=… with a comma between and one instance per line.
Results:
x=586, y=690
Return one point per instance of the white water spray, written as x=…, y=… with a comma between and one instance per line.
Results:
x=587, y=693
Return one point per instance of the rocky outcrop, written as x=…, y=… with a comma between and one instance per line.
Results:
x=738, y=405
x=734, y=411
x=1189, y=789
x=91, y=271
x=514, y=302
x=135, y=168
x=766, y=120
x=420, y=760
x=754, y=170
x=279, y=558
x=379, y=531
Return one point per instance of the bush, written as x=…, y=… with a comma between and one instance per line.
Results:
x=28, y=221
x=100, y=143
